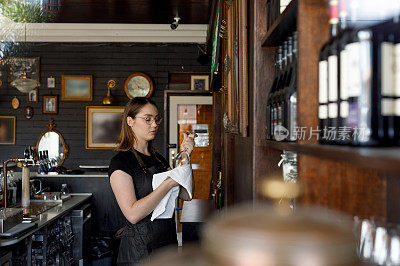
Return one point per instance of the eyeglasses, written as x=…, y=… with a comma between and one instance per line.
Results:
x=149, y=120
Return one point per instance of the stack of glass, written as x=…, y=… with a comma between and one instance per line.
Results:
x=378, y=241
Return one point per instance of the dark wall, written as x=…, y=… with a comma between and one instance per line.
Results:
x=104, y=61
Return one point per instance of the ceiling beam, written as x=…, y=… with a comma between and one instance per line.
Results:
x=86, y=32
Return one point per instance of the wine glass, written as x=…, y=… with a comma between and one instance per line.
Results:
x=182, y=157
x=393, y=256
x=366, y=240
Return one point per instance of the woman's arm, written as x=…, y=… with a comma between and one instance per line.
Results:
x=135, y=210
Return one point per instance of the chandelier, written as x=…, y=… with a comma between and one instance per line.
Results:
x=23, y=83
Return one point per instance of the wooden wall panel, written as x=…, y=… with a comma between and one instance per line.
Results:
x=393, y=194
x=342, y=186
x=261, y=65
x=313, y=29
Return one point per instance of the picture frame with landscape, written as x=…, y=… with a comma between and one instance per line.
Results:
x=76, y=87
x=103, y=126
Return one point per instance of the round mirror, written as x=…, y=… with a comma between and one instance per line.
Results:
x=52, y=142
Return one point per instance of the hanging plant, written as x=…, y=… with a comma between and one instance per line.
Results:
x=18, y=11
x=26, y=12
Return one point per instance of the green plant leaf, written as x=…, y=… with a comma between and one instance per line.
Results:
x=26, y=12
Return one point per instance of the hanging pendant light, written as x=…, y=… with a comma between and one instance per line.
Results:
x=25, y=84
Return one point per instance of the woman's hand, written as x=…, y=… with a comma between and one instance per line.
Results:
x=171, y=183
x=188, y=143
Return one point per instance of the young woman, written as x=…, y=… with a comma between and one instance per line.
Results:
x=131, y=173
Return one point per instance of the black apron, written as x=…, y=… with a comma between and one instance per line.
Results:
x=140, y=239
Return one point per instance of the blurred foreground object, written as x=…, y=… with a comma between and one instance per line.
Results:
x=191, y=255
x=261, y=236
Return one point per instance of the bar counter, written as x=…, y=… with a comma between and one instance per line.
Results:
x=51, y=215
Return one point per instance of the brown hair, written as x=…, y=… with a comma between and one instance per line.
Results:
x=127, y=138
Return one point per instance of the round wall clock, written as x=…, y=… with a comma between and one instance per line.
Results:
x=15, y=103
x=138, y=85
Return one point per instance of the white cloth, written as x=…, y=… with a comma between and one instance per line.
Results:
x=183, y=176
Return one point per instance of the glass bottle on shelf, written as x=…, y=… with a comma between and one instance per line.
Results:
x=274, y=93
x=396, y=83
x=270, y=110
x=281, y=92
x=323, y=92
x=343, y=71
x=291, y=89
x=333, y=89
x=363, y=112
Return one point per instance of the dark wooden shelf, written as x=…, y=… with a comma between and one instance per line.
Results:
x=279, y=145
x=284, y=25
x=380, y=158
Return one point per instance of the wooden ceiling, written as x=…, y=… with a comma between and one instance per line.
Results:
x=135, y=11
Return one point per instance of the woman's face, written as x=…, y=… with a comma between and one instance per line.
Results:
x=144, y=125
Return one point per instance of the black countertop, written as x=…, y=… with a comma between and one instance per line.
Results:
x=50, y=215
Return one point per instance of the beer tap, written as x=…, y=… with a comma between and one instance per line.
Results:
x=28, y=160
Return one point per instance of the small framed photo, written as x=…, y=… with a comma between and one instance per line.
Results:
x=50, y=104
x=103, y=126
x=51, y=82
x=7, y=130
x=33, y=95
x=199, y=82
x=28, y=112
x=76, y=88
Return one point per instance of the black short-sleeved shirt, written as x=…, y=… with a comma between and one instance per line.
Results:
x=126, y=162
x=140, y=239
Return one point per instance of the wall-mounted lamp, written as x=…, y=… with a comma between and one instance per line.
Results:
x=109, y=99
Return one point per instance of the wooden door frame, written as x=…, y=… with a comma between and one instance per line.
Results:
x=167, y=94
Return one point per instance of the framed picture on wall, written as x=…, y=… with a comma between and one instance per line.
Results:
x=51, y=82
x=33, y=95
x=103, y=126
x=28, y=112
x=50, y=104
x=7, y=130
x=19, y=65
x=199, y=82
x=76, y=87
